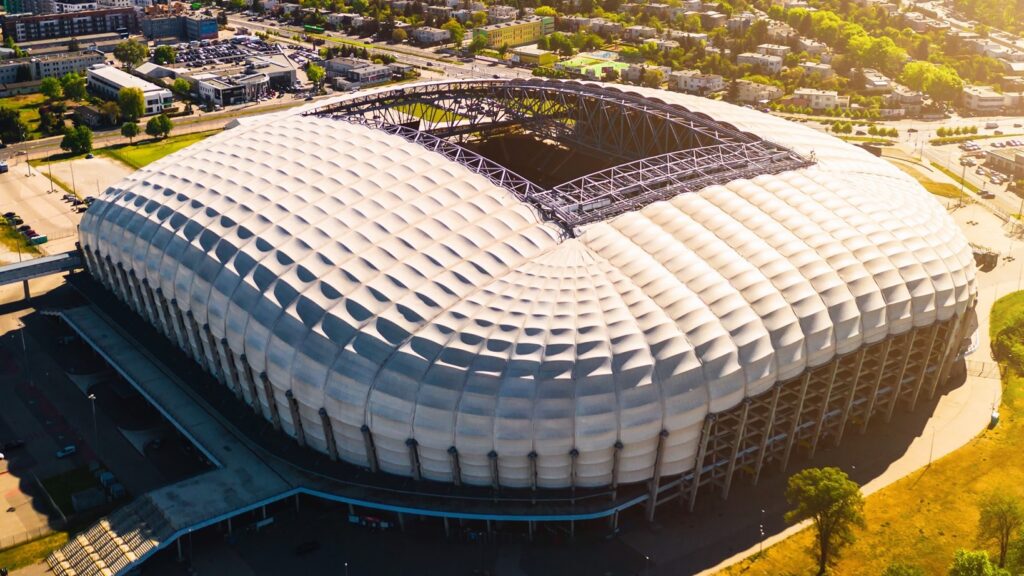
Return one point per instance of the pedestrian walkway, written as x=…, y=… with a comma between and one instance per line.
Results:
x=242, y=480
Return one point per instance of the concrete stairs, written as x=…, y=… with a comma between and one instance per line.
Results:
x=115, y=544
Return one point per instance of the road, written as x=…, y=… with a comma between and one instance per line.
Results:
x=425, y=59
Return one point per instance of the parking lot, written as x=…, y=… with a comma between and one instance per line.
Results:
x=59, y=434
x=208, y=52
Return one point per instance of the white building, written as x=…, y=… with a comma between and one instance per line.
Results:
x=357, y=71
x=748, y=91
x=107, y=81
x=982, y=100
x=430, y=35
x=822, y=70
x=821, y=99
x=55, y=65
x=637, y=33
x=774, y=50
x=70, y=7
x=764, y=63
x=500, y=13
x=694, y=82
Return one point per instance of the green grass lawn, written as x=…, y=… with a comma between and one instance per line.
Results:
x=61, y=487
x=15, y=242
x=27, y=106
x=923, y=518
x=147, y=151
x=943, y=189
x=429, y=112
x=31, y=552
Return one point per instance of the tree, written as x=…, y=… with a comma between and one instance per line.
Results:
x=901, y=569
x=165, y=55
x=316, y=75
x=651, y=78
x=456, y=30
x=77, y=140
x=181, y=87
x=159, y=126
x=968, y=563
x=1002, y=515
x=478, y=43
x=73, y=45
x=833, y=502
x=12, y=127
x=111, y=112
x=131, y=53
x=399, y=35
x=130, y=130
x=545, y=11
x=51, y=88
x=132, y=103
x=73, y=84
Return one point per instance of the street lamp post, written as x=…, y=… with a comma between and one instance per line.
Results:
x=760, y=550
x=95, y=428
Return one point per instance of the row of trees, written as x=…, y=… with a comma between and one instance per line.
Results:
x=834, y=505
x=943, y=132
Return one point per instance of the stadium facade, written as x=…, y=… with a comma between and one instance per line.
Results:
x=543, y=285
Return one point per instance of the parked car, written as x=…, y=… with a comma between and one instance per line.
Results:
x=67, y=451
x=988, y=195
x=9, y=214
x=24, y=228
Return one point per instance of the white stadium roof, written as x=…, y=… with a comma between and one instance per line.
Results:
x=402, y=291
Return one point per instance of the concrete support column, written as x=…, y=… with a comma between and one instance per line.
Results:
x=617, y=447
x=179, y=327
x=532, y=458
x=898, y=384
x=767, y=436
x=698, y=467
x=795, y=425
x=196, y=338
x=24, y=288
x=149, y=302
x=136, y=301
x=453, y=458
x=574, y=454
x=332, y=442
x=371, y=449
x=213, y=356
x=492, y=457
x=873, y=396
x=165, y=314
x=819, y=426
x=655, y=482
x=949, y=353
x=232, y=371
x=924, y=367
x=293, y=403
x=741, y=430
x=414, y=458
x=848, y=405
x=250, y=382
x=275, y=415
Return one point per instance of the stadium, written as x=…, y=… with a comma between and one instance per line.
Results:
x=534, y=286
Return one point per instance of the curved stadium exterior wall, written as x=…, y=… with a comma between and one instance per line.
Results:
x=392, y=307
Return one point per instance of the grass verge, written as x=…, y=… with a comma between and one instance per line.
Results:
x=16, y=242
x=955, y=177
x=148, y=151
x=943, y=189
x=924, y=518
x=62, y=486
x=27, y=106
x=32, y=551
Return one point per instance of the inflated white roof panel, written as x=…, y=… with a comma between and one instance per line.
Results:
x=400, y=290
